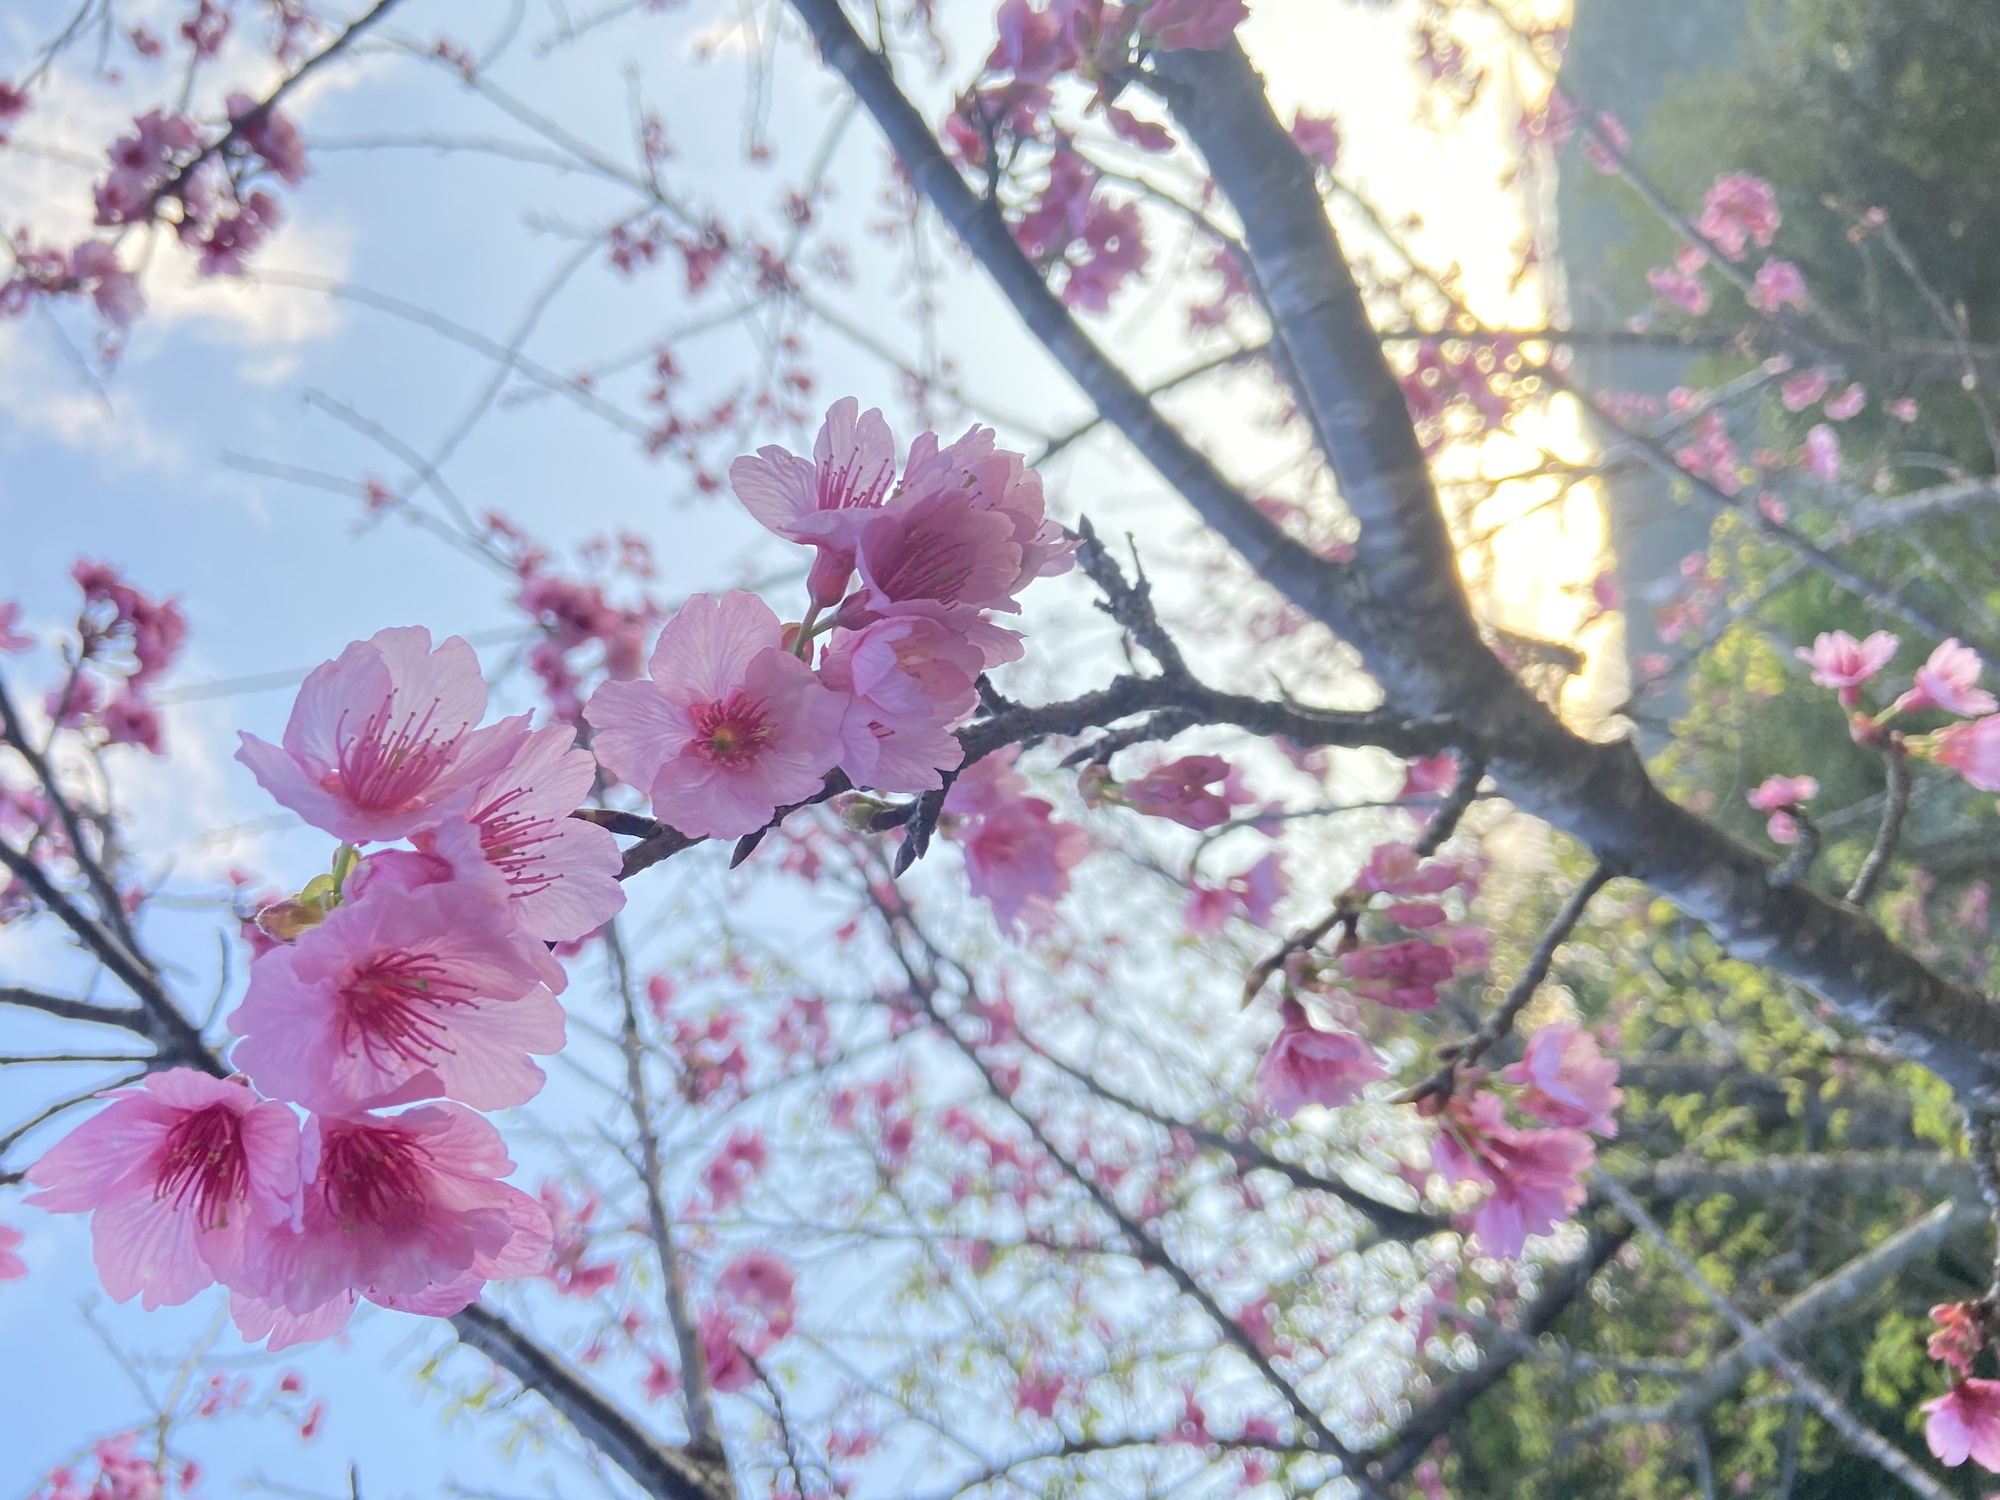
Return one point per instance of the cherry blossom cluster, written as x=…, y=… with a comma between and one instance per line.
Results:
x=1947, y=682
x=741, y=715
x=1090, y=246
x=1737, y=210
x=1531, y=1174
x=125, y=642
x=416, y=971
x=203, y=180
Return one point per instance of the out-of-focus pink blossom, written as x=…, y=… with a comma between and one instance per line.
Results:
x=1608, y=154
x=1822, y=453
x=1254, y=895
x=1903, y=409
x=140, y=164
x=1017, y=856
x=408, y=1212
x=12, y=1267
x=1032, y=43
x=1535, y=1175
x=1739, y=208
x=1114, y=243
x=728, y=1370
x=1779, y=284
x=826, y=502
x=1402, y=975
x=1783, y=791
x=113, y=289
x=1428, y=776
x=1777, y=794
x=270, y=133
x=1318, y=136
x=1973, y=750
x=1965, y=1423
x=12, y=638
x=1949, y=680
x=1803, y=389
x=1181, y=791
x=1959, y=1336
x=1038, y=1392
x=407, y=993
x=1686, y=290
x=1305, y=1065
x=762, y=1283
x=1395, y=869
x=178, y=1174
x=1147, y=135
x=1192, y=25
x=1848, y=403
x=1840, y=661
x=728, y=728
x=511, y=833
x=1569, y=1081
x=731, y=1170
x=382, y=735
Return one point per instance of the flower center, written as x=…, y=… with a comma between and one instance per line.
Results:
x=389, y=763
x=730, y=733
x=512, y=842
x=373, y=1175
x=203, y=1166
x=395, y=1006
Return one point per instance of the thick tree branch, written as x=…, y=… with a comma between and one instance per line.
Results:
x=1423, y=645
x=664, y=1473
x=1291, y=567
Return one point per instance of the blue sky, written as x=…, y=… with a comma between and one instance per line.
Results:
x=277, y=576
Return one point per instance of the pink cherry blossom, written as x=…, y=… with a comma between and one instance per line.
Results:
x=729, y=726
x=113, y=289
x=1038, y=1392
x=1017, y=856
x=12, y=1267
x=407, y=1211
x=1428, y=776
x=1973, y=750
x=1840, y=661
x=1608, y=154
x=410, y=992
x=907, y=682
x=763, y=1284
x=1308, y=1066
x=967, y=531
x=1965, y=1423
x=1253, y=895
x=1192, y=25
x=1569, y=1081
x=1032, y=43
x=1402, y=975
x=1782, y=791
x=382, y=735
x=271, y=134
x=1738, y=208
x=1318, y=136
x=1822, y=453
x=1114, y=241
x=1056, y=222
x=179, y=1176
x=1535, y=1175
x=1779, y=284
x=1959, y=1336
x=1147, y=135
x=1848, y=403
x=1803, y=389
x=1685, y=289
x=1903, y=409
x=824, y=503
x=1395, y=869
x=140, y=164
x=511, y=832
x=1180, y=791
x=1949, y=680
x=728, y=1370
x=731, y=1170
x=12, y=638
